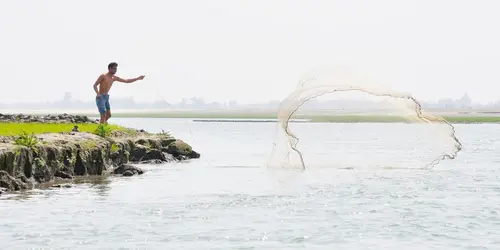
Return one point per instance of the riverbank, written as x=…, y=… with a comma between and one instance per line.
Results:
x=34, y=153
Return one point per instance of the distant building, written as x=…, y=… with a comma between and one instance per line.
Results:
x=67, y=97
x=465, y=101
x=446, y=103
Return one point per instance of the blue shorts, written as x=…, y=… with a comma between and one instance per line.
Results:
x=103, y=104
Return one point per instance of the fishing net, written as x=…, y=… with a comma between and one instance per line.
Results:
x=354, y=122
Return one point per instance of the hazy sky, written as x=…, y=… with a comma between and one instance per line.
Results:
x=246, y=50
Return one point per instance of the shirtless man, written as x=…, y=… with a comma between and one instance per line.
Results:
x=105, y=81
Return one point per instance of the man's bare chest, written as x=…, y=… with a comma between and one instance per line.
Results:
x=108, y=81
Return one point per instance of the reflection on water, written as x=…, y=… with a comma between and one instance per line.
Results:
x=99, y=184
x=21, y=195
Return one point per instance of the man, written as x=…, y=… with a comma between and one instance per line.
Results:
x=105, y=81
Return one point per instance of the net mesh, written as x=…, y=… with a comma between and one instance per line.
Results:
x=400, y=135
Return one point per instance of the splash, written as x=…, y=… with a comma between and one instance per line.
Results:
x=401, y=107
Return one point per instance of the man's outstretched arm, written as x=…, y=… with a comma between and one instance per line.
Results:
x=118, y=79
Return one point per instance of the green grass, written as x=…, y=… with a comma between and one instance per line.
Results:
x=114, y=148
x=473, y=119
x=389, y=119
x=357, y=118
x=313, y=117
x=27, y=140
x=15, y=129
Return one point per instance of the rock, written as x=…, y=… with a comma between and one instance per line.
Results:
x=180, y=148
x=142, y=142
x=82, y=119
x=142, y=153
x=79, y=168
x=154, y=154
x=3, y=190
x=62, y=175
x=151, y=162
x=194, y=155
x=177, y=148
x=138, y=152
x=62, y=185
x=166, y=142
x=128, y=173
x=10, y=183
x=62, y=118
x=128, y=170
x=181, y=157
x=42, y=172
x=25, y=180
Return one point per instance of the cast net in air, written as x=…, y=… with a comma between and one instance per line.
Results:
x=357, y=123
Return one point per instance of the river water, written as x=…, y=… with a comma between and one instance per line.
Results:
x=228, y=199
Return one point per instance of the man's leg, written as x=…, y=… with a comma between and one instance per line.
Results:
x=108, y=115
x=102, y=109
x=108, y=109
x=103, y=118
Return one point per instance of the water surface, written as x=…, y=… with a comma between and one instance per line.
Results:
x=228, y=199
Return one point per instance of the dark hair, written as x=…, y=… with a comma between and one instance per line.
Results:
x=112, y=65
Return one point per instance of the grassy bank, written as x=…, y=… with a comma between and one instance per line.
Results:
x=389, y=119
x=11, y=128
x=345, y=118
x=39, y=153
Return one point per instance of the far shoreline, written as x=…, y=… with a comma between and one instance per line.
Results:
x=464, y=116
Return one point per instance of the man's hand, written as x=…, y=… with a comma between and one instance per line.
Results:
x=140, y=77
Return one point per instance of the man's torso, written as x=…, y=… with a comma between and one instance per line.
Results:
x=106, y=84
